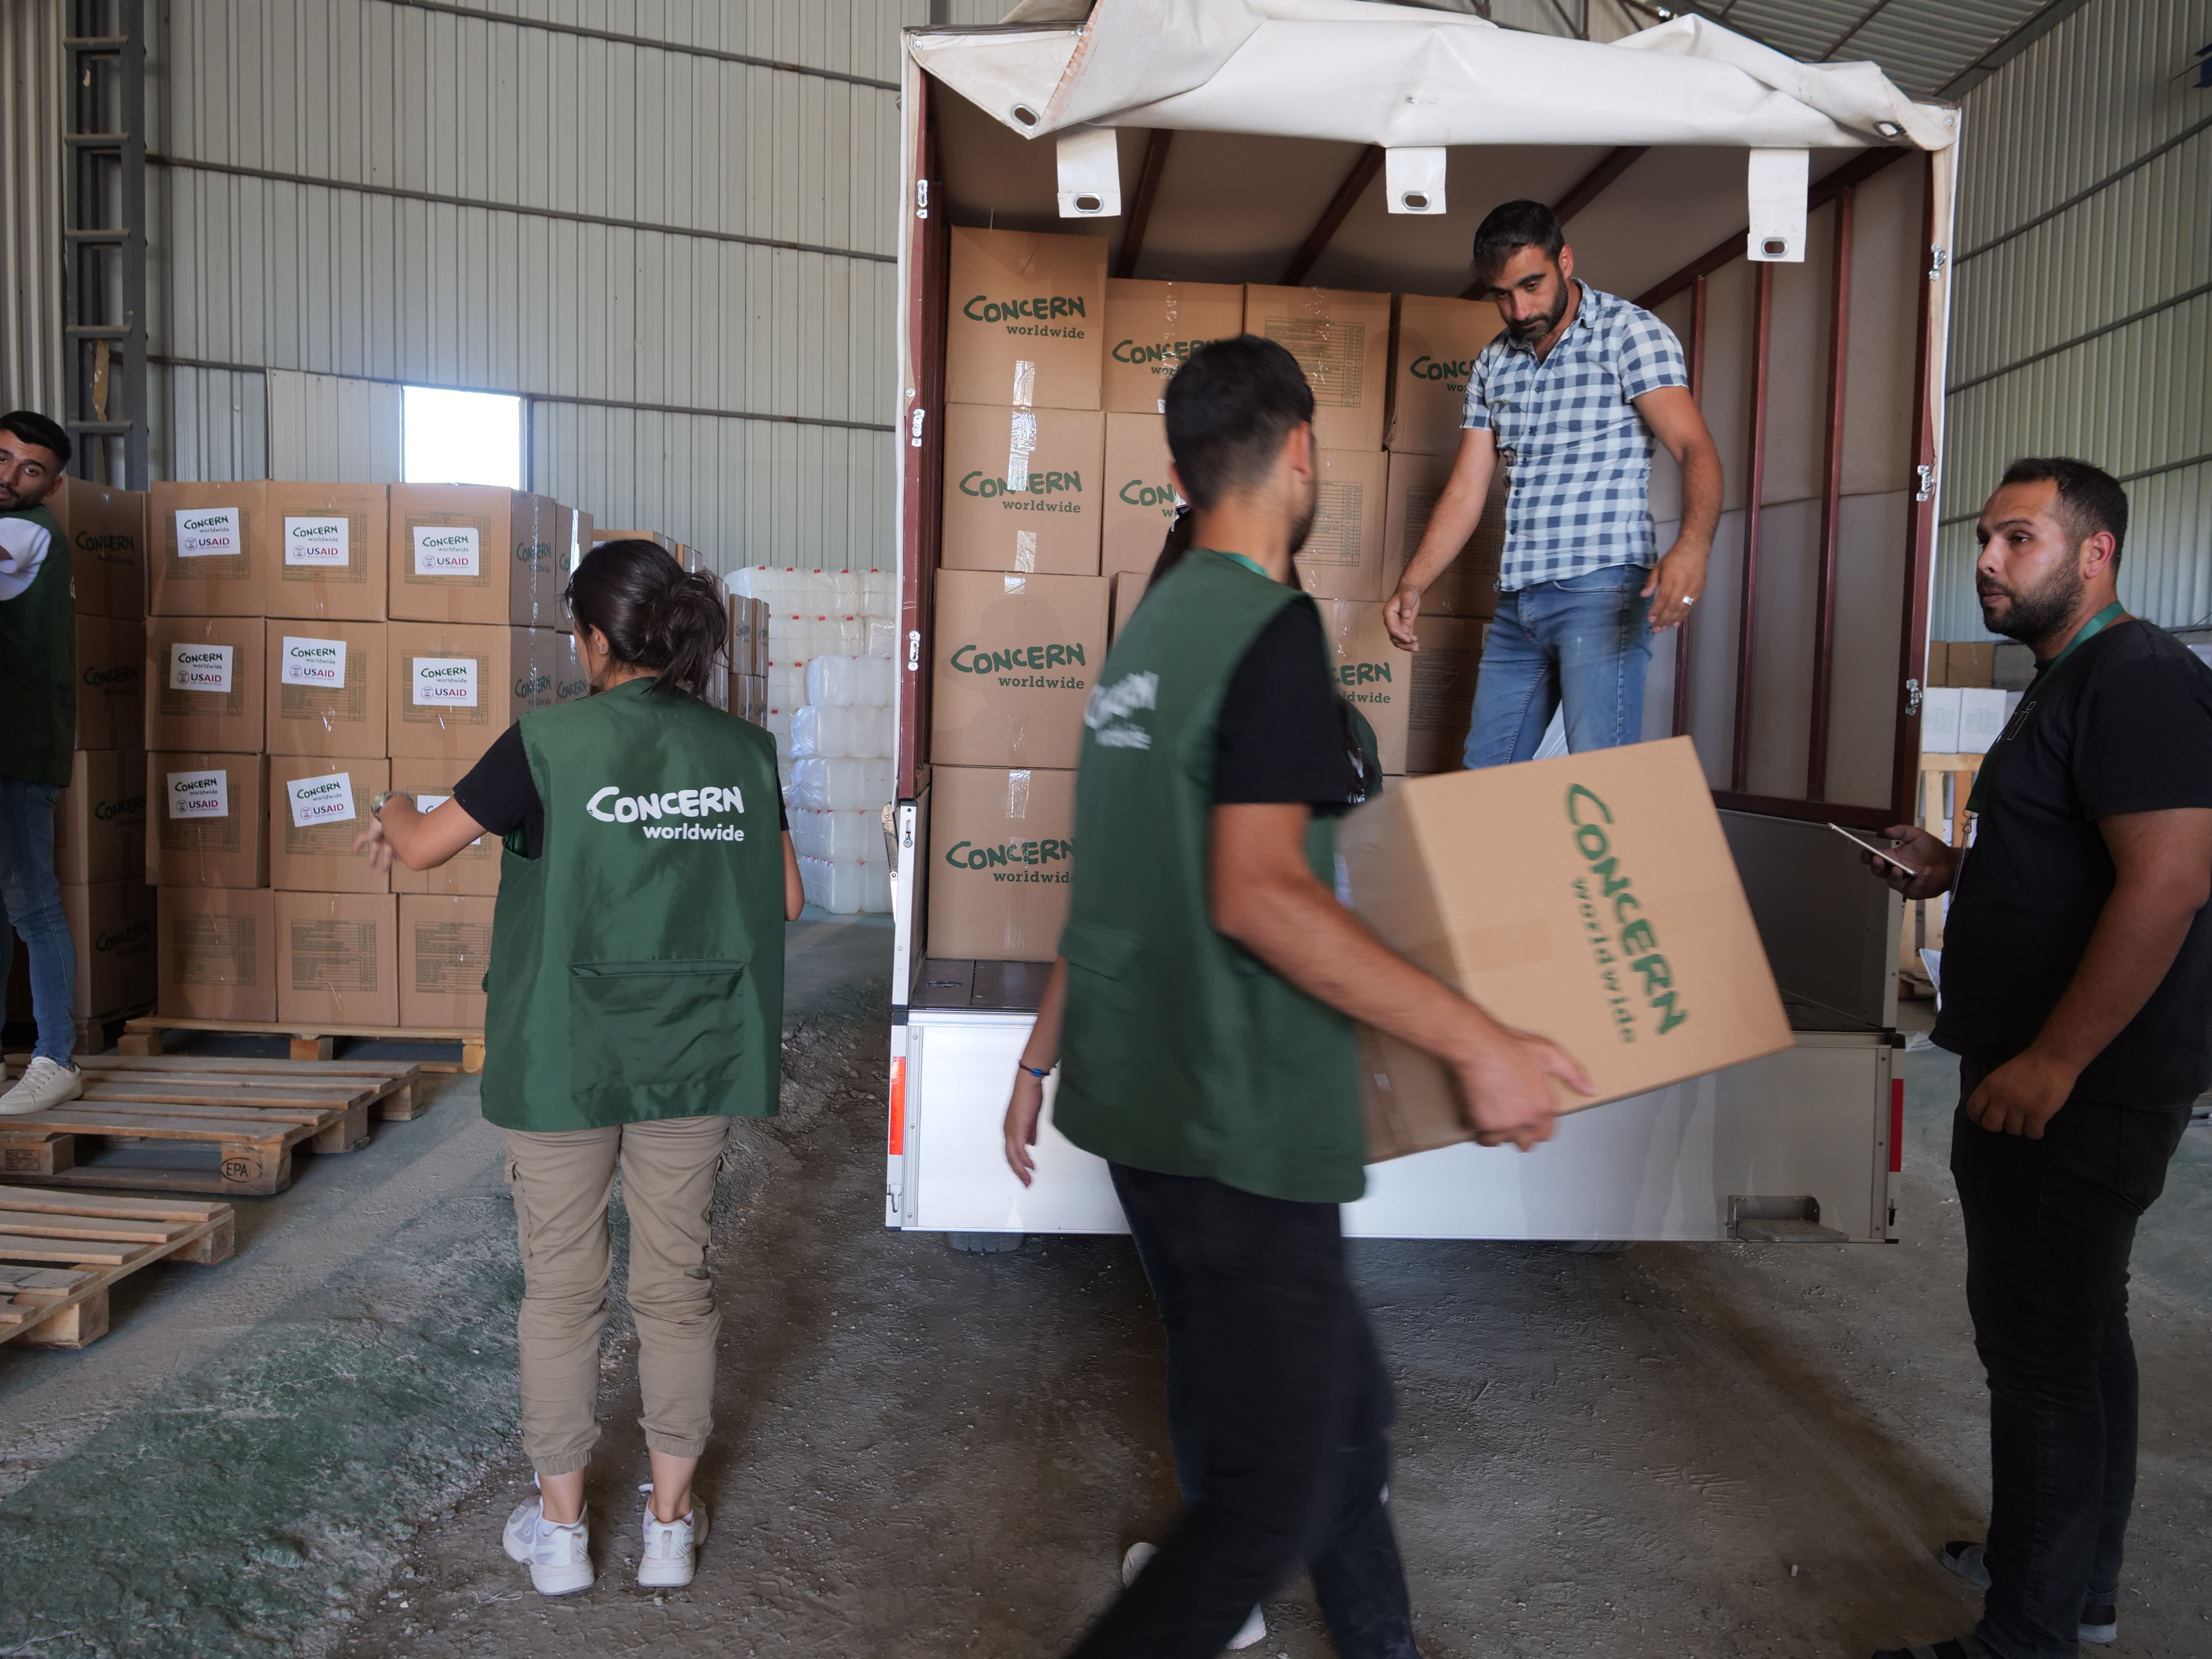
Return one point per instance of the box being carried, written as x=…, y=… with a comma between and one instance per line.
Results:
x=1590, y=899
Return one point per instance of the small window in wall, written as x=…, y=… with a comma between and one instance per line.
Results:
x=461, y=437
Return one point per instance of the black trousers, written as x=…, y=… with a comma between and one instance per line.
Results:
x=1281, y=1404
x=2050, y=1225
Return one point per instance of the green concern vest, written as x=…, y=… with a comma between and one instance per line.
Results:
x=1181, y=1053
x=637, y=964
x=38, y=666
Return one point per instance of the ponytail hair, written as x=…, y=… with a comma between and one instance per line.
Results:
x=656, y=615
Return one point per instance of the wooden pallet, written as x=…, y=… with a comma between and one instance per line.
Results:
x=252, y=1123
x=400, y=1097
x=142, y=1038
x=60, y=1252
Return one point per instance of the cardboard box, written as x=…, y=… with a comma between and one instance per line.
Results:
x=1443, y=672
x=209, y=557
x=317, y=806
x=1432, y=353
x=445, y=951
x=1025, y=313
x=111, y=925
x=329, y=554
x=1011, y=507
x=1969, y=664
x=1342, y=558
x=1469, y=586
x=1141, y=501
x=1590, y=899
x=99, y=821
x=217, y=954
x=1939, y=720
x=1128, y=587
x=337, y=959
x=326, y=694
x=1981, y=718
x=1152, y=327
x=748, y=648
x=451, y=687
x=1342, y=341
x=106, y=532
x=468, y=553
x=1001, y=856
x=110, y=683
x=1016, y=658
x=206, y=818
x=206, y=680
x=473, y=870
x=548, y=670
x=1373, y=675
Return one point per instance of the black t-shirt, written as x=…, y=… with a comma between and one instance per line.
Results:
x=1283, y=734
x=500, y=793
x=2125, y=724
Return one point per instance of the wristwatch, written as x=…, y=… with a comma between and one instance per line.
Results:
x=376, y=806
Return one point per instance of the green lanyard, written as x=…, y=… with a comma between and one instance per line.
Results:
x=2096, y=625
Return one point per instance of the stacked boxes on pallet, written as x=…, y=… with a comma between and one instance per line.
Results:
x=100, y=819
x=310, y=645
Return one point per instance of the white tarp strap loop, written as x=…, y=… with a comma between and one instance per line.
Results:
x=1414, y=180
x=1777, y=184
x=1090, y=174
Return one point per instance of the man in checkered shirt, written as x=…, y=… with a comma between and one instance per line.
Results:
x=1569, y=398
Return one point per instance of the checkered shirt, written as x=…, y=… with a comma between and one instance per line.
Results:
x=1577, y=453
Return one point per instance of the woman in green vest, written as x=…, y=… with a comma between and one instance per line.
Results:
x=635, y=1006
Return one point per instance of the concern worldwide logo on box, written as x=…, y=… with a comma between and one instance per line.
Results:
x=1591, y=899
x=444, y=682
x=320, y=800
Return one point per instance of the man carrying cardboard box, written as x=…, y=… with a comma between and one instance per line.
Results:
x=38, y=691
x=1206, y=988
x=2077, y=967
x=1569, y=398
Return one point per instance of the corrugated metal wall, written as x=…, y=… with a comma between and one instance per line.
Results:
x=31, y=373
x=685, y=260
x=2082, y=320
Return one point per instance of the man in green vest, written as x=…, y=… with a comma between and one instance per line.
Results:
x=38, y=690
x=1202, y=1012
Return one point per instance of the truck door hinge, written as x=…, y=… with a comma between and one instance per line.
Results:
x=1926, y=490
x=1938, y=256
x=922, y=198
x=914, y=652
x=914, y=426
x=1912, y=696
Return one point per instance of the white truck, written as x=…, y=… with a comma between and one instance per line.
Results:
x=1791, y=223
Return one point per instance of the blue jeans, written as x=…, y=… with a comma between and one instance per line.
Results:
x=1586, y=639
x=1279, y=1408
x=31, y=904
x=2050, y=1225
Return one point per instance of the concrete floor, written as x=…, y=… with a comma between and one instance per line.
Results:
x=1700, y=1450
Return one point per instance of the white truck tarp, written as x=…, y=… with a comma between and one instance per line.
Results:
x=1407, y=78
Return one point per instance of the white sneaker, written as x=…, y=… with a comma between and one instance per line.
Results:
x=559, y=1557
x=1251, y=1632
x=671, y=1547
x=44, y=1084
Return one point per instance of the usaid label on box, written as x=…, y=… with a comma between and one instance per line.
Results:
x=444, y=682
x=447, y=551
x=209, y=532
x=327, y=543
x=199, y=794
x=320, y=800
x=201, y=667
x=311, y=662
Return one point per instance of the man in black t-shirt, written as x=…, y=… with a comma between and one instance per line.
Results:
x=2077, y=994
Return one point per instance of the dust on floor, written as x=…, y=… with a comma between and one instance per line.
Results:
x=1722, y=1451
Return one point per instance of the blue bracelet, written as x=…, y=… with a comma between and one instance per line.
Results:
x=1036, y=1071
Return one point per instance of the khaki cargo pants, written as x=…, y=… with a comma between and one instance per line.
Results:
x=561, y=1181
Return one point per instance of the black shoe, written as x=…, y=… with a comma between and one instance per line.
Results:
x=1959, y=1647
x=2100, y=1620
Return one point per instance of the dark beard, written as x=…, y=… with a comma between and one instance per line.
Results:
x=1302, y=527
x=2039, y=613
x=1530, y=330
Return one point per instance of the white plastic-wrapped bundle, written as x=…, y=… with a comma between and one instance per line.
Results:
x=878, y=682
x=806, y=733
x=825, y=784
x=765, y=582
x=844, y=591
x=787, y=685
x=778, y=721
x=840, y=889
x=880, y=592
x=883, y=637
x=843, y=681
x=868, y=735
x=837, y=732
x=853, y=837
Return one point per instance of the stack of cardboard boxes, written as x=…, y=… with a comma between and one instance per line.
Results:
x=100, y=819
x=309, y=646
x=1057, y=498
x=1964, y=711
